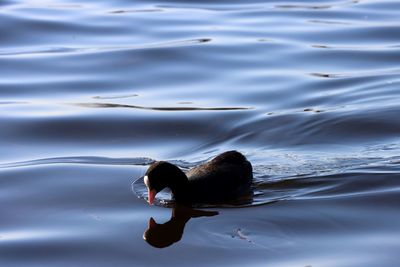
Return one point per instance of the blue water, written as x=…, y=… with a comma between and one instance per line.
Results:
x=92, y=92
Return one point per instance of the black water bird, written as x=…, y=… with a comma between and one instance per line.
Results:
x=226, y=177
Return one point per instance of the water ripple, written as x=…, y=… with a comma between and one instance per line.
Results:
x=121, y=11
x=110, y=105
x=352, y=74
x=318, y=7
x=79, y=160
x=82, y=50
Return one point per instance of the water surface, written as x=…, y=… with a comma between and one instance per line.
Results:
x=92, y=92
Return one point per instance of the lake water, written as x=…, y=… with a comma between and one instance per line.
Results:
x=92, y=92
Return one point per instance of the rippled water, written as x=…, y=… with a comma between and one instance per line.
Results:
x=92, y=92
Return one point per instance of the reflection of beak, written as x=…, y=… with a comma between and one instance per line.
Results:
x=151, y=196
x=152, y=223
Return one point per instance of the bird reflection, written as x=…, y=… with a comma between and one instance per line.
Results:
x=164, y=235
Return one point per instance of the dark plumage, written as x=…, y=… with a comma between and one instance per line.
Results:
x=226, y=177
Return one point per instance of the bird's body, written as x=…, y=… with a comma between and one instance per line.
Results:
x=226, y=177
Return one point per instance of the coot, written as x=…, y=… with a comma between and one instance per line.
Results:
x=226, y=177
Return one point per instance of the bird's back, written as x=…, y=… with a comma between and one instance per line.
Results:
x=226, y=177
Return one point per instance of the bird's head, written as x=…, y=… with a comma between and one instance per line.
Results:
x=160, y=175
